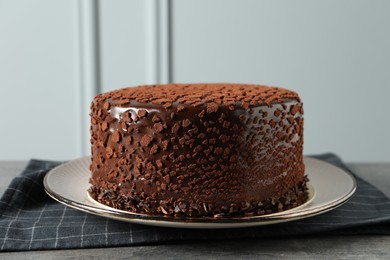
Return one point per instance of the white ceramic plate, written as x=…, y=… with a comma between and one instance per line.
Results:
x=329, y=187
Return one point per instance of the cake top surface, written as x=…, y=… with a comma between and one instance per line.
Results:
x=227, y=94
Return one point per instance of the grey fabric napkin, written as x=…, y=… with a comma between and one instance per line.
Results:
x=31, y=220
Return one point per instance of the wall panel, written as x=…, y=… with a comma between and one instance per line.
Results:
x=334, y=53
x=40, y=98
x=123, y=50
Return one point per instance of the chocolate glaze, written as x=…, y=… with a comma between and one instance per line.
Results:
x=198, y=150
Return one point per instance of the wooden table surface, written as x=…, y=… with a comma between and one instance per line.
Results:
x=307, y=247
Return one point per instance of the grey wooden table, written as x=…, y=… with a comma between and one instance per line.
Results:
x=323, y=247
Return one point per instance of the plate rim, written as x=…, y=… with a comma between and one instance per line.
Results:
x=208, y=222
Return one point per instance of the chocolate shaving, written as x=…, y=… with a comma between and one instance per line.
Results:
x=145, y=140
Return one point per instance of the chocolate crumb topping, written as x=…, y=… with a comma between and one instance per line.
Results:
x=216, y=150
x=145, y=140
x=212, y=108
x=142, y=113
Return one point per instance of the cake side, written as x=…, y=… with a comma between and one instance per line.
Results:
x=198, y=149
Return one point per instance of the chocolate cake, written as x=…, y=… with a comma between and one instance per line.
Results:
x=198, y=149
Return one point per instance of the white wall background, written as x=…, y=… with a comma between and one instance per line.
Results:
x=55, y=55
x=39, y=88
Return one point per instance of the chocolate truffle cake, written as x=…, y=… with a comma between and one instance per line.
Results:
x=198, y=149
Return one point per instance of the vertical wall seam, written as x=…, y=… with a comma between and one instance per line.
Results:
x=89, y=54
x=158, y=41
x=79, y=75
x=165, y=41
x=170, y=41
x=151, y=42
x=97, y=20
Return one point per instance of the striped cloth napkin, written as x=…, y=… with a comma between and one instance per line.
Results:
x=31, y=220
